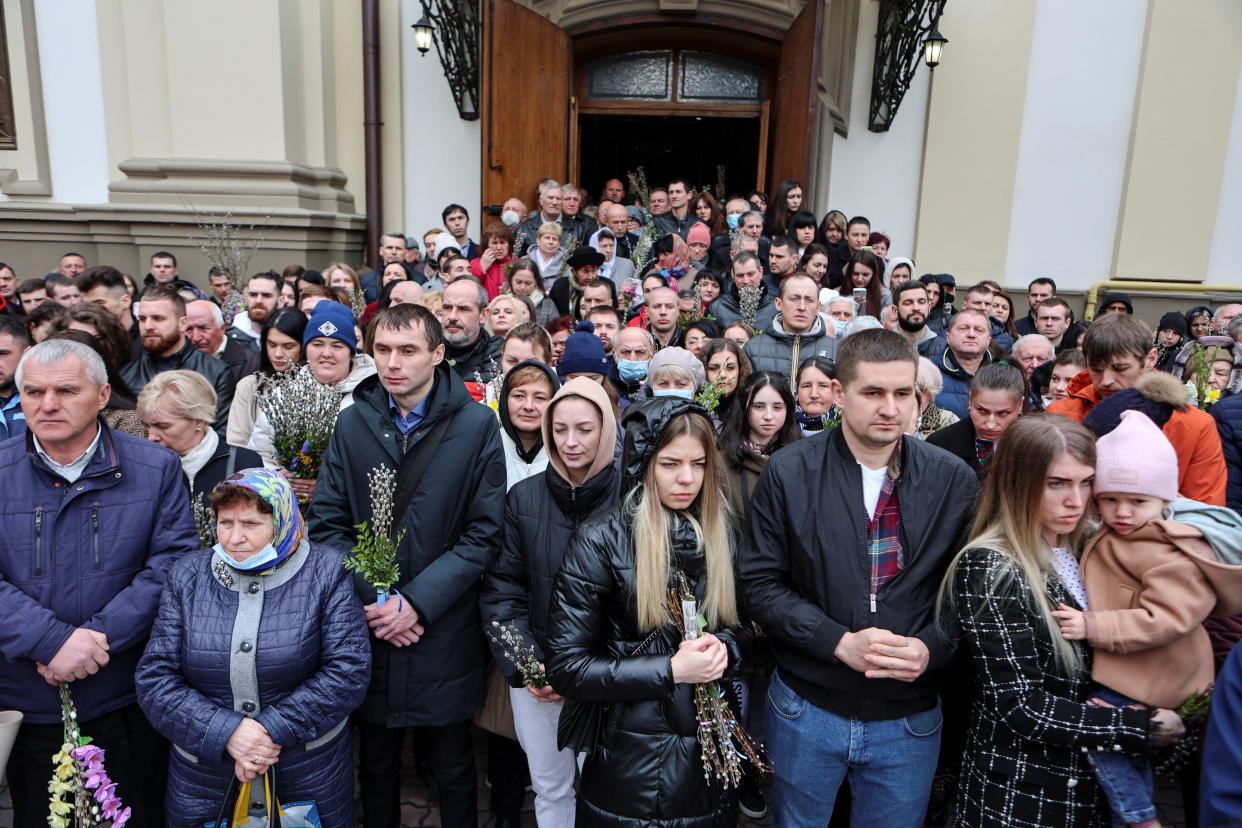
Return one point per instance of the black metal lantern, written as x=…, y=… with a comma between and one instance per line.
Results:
x=906, y=30
x=422, y=35
x=933, y=48
x=452, y=26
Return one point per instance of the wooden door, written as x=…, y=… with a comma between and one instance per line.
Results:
x=797, y=81
x=527, y=64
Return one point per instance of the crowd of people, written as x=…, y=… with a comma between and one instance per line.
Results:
x=699, y=508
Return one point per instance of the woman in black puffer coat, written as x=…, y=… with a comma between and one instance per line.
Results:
x=541, y=515
x=610, y=637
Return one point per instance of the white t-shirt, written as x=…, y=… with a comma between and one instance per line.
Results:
x=873, y=482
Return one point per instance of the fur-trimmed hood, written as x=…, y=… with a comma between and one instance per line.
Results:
x=1160, y=387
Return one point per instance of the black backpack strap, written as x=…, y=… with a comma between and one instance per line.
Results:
x=414, y=465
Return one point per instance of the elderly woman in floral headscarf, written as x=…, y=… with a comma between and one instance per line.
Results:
x=673, y=262
x=257, y=658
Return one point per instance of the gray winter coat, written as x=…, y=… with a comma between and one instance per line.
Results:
x=778, y=350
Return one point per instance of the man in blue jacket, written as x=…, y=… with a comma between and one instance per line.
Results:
x=90, y=521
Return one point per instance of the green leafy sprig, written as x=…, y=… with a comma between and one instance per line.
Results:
x=375, y=552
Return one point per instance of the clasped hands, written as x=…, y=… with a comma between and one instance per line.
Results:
x=395, y=622
x=700, y=660
x=252, y=749
x=878, y=653
x=83, y=654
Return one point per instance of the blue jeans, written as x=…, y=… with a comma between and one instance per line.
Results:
x=890, y=764
x=1125, y=777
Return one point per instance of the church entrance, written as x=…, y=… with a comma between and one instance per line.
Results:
x=715, y=153
x=703, y=102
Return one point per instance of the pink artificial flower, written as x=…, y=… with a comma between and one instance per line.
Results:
x=121, y=819
x=96, y=776
x=106, y=793
x=88, y=754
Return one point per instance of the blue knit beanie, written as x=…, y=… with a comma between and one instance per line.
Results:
x=584, y=353
x=332, y=320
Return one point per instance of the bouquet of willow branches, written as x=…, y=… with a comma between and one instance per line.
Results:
x=725, y=744
x=748, y=299
x=641, y=256
x=375, y=553
x=638, y=185
x=302, y=412
x=202, y=521
x=357, y=303
x=519, y=653
x=1169, y=761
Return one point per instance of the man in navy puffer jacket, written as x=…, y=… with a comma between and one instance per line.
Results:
x=90, y=521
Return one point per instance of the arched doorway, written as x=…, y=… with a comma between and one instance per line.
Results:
x=674, y=97
x=676, y=112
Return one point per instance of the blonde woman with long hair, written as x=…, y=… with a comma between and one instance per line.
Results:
x=612, y=639
x=1032, y=728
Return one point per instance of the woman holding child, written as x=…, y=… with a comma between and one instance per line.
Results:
x=1034, y=724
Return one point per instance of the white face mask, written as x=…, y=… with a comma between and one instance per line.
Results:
x=510, y=218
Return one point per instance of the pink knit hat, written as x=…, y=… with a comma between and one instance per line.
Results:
x=1136, y=458
x=699, y=233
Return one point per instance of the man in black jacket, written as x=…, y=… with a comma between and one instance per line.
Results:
x=1037, y=291
x=205, y=328
x=162, y=323
x=428, y=651
x=468, y=348
x=847, y=596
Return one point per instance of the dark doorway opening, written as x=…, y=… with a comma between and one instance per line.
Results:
x=668, y=147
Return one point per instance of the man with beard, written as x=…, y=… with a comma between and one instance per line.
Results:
x=205, y=328
x=261, y=292
x=472, y=353
x=161, y=324
x=910, y=299
x=14, y=341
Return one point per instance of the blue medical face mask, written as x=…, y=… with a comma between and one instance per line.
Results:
x=632, y=370
x=733, y=220
x=840, y=325
x=256, y=563
x=684, y=393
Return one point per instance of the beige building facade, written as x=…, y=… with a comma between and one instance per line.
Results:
x=1082, y=141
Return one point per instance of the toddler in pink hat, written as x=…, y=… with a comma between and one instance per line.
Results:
x=1147, y=582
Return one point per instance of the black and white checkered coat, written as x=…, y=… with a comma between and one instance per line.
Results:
x=1025, y=761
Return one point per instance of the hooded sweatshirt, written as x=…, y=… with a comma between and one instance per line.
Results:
x=521, y=463
x=595, y=394
x=1150, y=592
